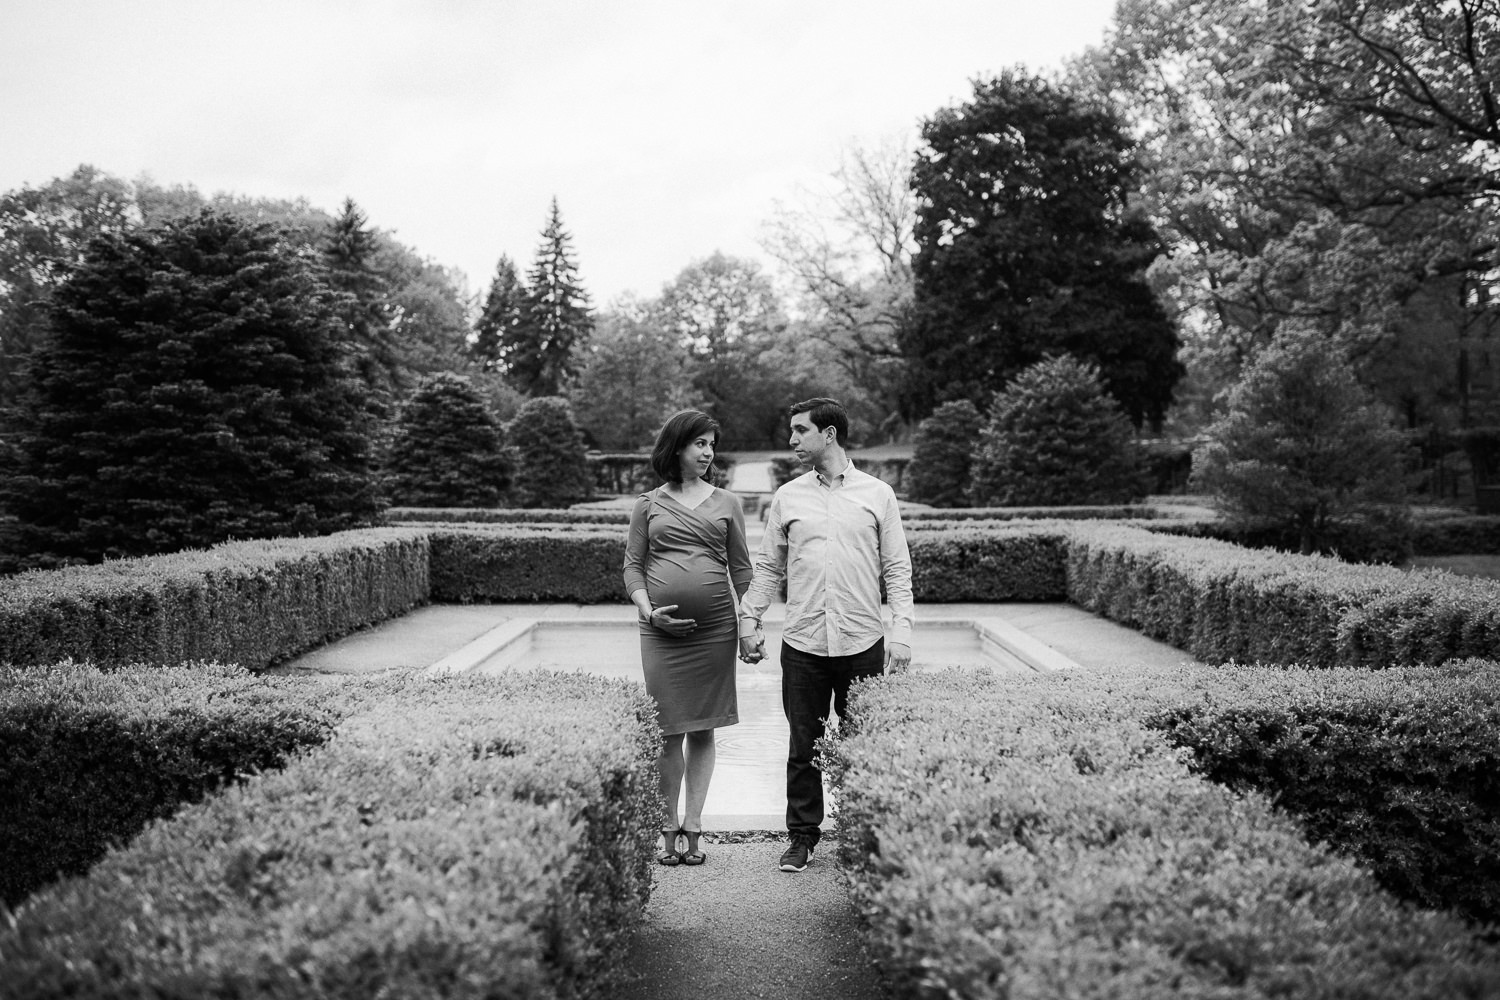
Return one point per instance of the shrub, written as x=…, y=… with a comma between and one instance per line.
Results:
x=505, y=515
x=551, y=470
x=1401, y=771
x=942, y=451
x=1303, y=445
x=1056, y=437
x=466, y=837
x=193, y=391
x=447, y=450
x=87, y=759
x=1026, y=836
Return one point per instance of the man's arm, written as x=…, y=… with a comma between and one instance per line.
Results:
x=770, y=568
x=895, y=570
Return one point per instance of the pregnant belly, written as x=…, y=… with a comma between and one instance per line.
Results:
x=701, y=597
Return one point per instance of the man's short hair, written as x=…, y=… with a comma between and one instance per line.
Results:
x=825, y=412
x=681, y=429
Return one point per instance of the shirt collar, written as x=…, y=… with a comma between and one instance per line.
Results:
x=848, y=468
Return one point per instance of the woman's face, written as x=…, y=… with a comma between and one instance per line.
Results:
x=696, y=456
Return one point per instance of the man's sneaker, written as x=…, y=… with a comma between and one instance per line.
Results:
x=796, y=857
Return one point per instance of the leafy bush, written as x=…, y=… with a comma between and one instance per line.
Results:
x=87, y=759
x=1449, y=536
x=943, y=448
x=1055, y=436
x=1026, y=836
x=1303, y=445
x=193, y=391
x=1375, y=535
x=1401, y=772
x=1024, y=563
x=466, y=837
x=447, y=450
x=551, y=470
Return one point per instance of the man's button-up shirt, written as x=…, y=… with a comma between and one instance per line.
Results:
x=835, y=542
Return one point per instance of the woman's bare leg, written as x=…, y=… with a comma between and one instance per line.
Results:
x=699, y=770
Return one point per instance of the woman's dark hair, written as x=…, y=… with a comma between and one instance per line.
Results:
x=680, y=430
x=824, y=412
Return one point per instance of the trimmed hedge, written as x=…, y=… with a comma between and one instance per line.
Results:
x=527, y=564
x=1222, y=602
x=1021, y=563
x=1107, y=512
x=504, y=515
x=1456, y=536
x=252, y=603
x=1399, y=768
x=1027, y=837
x=87, y=759
x=464, y=836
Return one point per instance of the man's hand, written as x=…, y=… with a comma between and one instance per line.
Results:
x=661, y=618
x=753, y=647
x=897, y=658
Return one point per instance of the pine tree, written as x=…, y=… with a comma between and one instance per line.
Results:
x=349, y=252
x=504, y=309
x=1302, y=444
x=942, y=453
x=551, y=470
x=1056, y=437
x=194, y=390
x=447, y=450
x=539, y=355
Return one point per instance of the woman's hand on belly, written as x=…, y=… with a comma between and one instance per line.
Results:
x=661, y=619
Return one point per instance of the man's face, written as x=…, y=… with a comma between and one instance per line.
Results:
x=807, y=441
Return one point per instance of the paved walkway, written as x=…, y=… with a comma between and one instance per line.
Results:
x=735, y=927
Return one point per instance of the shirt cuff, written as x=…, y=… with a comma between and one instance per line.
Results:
x=901, y=634
x=748, y=626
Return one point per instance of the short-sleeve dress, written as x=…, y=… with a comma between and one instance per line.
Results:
x=689, y=557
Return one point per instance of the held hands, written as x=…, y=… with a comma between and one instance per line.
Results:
x=753, y=647
x=662, y=618
x=897, y=658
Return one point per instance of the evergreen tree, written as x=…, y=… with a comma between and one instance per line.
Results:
x=1055, y=437
x=942, y=453
x=504, y=309
x=1026, y=248
x=1302, y=444
x=539, y=353
x=551, y=470
x=349, y=252
x=193, y=390
x=447, y=450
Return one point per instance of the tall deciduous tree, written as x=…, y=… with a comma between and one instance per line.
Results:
x=848, y=251
x=1027, y=246
x=539, y=353
x=503, y=312
x=1328, y=164
x=44, y=234
x=193, y=390
x=632, y=377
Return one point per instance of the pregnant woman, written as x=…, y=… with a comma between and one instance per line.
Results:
x=686, y=565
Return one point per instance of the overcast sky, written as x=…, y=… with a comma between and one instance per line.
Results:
x=666, y=129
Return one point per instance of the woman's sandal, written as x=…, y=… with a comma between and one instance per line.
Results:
x=692, y=856
x=669, y=854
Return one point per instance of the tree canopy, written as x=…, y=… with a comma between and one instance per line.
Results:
x=447, y=450
x=538, y=353
x=1027, y=246
x=193, y=390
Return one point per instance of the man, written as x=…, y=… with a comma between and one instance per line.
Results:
x=834, y=533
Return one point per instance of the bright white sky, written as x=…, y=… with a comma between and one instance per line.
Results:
x=666, y=129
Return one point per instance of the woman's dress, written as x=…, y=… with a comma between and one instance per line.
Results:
x=688, y=557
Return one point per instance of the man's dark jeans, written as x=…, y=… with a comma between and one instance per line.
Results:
x=808, y=684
